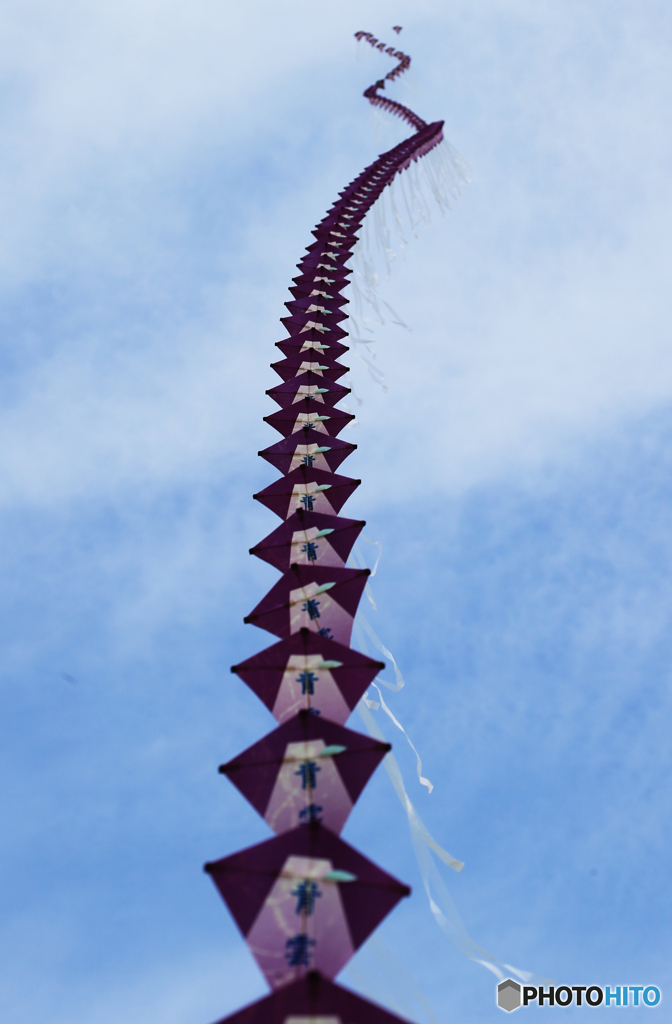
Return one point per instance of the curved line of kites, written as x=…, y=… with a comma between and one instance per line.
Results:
x=372, y=93
x=306, y=868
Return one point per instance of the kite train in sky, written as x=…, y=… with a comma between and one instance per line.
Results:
x=304, y=899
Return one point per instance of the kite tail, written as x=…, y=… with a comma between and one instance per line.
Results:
x=372, y=92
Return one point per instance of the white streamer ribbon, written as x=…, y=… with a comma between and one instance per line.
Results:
x=363, y=623
x=418, y=828
x=374, y=544
x=353, y=424
x=360, y=562
x=440, y=901
x=374, y=705
x=421, y=777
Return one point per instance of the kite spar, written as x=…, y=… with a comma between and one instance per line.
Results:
x=305, y=900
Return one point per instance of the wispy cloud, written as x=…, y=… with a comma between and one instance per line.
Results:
x=163, y=167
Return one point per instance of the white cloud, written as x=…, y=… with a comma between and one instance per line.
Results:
x=540, y=307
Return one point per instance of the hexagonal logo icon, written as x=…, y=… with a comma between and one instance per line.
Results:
x=508, y=995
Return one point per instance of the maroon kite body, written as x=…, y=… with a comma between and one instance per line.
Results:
x=309, y=769
x=305, y=900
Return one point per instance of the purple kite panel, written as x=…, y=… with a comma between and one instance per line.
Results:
x=312, y=303
x=313, y=306
x=308, y=671
x=288, y=421
x=313, y=1000
x=313, y=490
x=319, y=287
x=310, y=538
x=316, y=261
x=301, y=323
x=325, y=277
x=309, y=769
x=315, y=343
x=315, y=326
x=331, y=249
x=304, y=900
x=315, y=291
x=317, y=362
x=303, y=448
x=309, y=387
x=322, y=599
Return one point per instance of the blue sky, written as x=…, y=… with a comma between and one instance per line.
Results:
x=163, y=166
